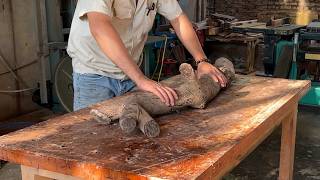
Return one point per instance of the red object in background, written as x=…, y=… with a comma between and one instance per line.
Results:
x=201, y=36
x=169, y=66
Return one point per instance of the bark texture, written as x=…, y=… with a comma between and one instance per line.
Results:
x=136, y=109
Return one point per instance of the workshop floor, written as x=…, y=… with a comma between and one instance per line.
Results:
x=262, y=164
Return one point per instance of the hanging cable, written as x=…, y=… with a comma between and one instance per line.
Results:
x=18, y=91
x=6, y=65
x=162, y=59
x=158, y=61
x=164, y=46
x=21, y=67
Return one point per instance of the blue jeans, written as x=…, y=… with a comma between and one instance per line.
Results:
x=90, y=89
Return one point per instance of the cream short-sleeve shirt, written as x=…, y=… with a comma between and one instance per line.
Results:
x=132, y=21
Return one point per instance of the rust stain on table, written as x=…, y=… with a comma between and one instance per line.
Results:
x=191, y=141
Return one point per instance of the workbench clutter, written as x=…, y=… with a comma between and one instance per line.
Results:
x=137, y=109
x=218, y=38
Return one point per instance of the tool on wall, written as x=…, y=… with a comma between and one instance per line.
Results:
x=293, y=72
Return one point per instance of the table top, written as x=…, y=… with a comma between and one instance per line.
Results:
x=193, y=143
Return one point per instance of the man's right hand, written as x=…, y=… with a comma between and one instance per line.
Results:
x=166, y=94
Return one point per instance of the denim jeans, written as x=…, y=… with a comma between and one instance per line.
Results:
x=90, y=89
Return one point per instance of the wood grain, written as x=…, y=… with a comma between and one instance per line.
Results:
x=193, y=144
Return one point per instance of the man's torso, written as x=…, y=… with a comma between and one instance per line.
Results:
x=131, y=20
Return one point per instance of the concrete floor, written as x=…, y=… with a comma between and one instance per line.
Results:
x=10, y=172
x=263, y=163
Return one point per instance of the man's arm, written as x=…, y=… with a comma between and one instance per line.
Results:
x=187, y=35
x=111, y=44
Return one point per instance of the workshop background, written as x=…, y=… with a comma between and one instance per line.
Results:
x=263, y=10
x=35, y=69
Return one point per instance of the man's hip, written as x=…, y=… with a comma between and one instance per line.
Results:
x=90, y=89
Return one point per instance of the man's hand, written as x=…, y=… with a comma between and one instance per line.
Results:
x=166, y=94
x=187, y=35
x=215, y=73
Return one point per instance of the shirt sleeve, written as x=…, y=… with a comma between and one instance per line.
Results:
x=170, y=9
x=100, y=6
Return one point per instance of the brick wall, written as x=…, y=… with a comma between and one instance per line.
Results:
x=299, y=10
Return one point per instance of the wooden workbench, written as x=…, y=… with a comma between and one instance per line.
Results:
x=194, y=144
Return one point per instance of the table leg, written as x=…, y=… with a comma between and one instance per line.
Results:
x=288, y=139
x=29, y=173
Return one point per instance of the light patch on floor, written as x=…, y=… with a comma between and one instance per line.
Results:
x=309, y=172
x=10, y=172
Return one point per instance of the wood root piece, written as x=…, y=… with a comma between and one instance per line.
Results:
x=138, y=108
x=101, y=117
x=129, y=118
x=133, y=114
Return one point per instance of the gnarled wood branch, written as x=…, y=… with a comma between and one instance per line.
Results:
x=136, y=109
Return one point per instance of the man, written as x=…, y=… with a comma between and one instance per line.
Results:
x=106, y=40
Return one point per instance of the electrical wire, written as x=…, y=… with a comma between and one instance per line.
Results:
x=18, y=91
x=158, y=60
x=21, y=67
x=15, y=76
x=163, y=55
x=6, y=65
x=164, y=46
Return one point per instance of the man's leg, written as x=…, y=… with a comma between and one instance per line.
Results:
x=90, y=89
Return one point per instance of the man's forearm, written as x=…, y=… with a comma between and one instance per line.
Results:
x=188, y=37
x=111, y=44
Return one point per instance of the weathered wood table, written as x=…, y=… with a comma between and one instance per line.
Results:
x=195, y=144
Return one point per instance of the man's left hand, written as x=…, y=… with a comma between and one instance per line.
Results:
x=207, y=68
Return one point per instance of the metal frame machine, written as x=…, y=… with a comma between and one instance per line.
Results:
x=308, y=61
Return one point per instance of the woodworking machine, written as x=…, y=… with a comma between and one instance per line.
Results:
x=306, y=52
x=273, y=36
x=308, y=60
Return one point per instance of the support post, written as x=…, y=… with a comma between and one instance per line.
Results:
x=288, y=140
